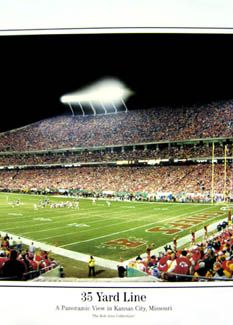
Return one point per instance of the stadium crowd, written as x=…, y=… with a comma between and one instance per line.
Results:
x=205, y=261
x=175, y=179
x=162, y=152
x=20, y=263
x=136, y=126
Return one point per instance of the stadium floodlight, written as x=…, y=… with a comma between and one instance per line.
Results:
x=106, y=92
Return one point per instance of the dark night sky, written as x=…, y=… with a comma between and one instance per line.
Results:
x=161, y=69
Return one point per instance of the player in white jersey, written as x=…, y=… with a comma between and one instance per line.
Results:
x=108, y=203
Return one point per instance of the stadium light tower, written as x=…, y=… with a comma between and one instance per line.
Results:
x=106, y=92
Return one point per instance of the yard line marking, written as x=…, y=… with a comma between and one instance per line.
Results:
x=57, y=221
x=104, y=236
x=110, y=225
x=53, y=222
x=123, y=231
x=75, y=218
x=107, y=212
x=93, y=229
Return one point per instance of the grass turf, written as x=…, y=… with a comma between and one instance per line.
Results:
x=124, y=229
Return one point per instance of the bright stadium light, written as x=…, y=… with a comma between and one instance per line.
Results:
x=104, y=93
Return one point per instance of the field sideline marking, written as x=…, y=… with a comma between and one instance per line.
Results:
x=68, y=253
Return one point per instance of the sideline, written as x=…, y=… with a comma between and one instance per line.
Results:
x=65, y=252
x=101, y=261
x=182, y=241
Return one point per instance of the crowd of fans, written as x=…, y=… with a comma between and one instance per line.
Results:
x=136, y=126
x=211, y=259
x=161, y=152
x=20, y=263
x=176, y=179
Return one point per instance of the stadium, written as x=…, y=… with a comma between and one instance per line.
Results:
x=135, y=173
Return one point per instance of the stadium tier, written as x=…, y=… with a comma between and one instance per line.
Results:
x=136, y=126
x=182, y=150
x=175, y=182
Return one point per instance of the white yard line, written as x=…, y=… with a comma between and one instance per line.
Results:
x=76, y=217
x=126, y=230
x=101, y=261
x=118, y=223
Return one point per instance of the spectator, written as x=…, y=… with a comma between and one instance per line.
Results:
x=13, y=268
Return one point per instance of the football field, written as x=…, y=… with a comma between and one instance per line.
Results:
x=108, y=230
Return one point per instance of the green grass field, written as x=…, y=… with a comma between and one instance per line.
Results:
x=125, y=229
